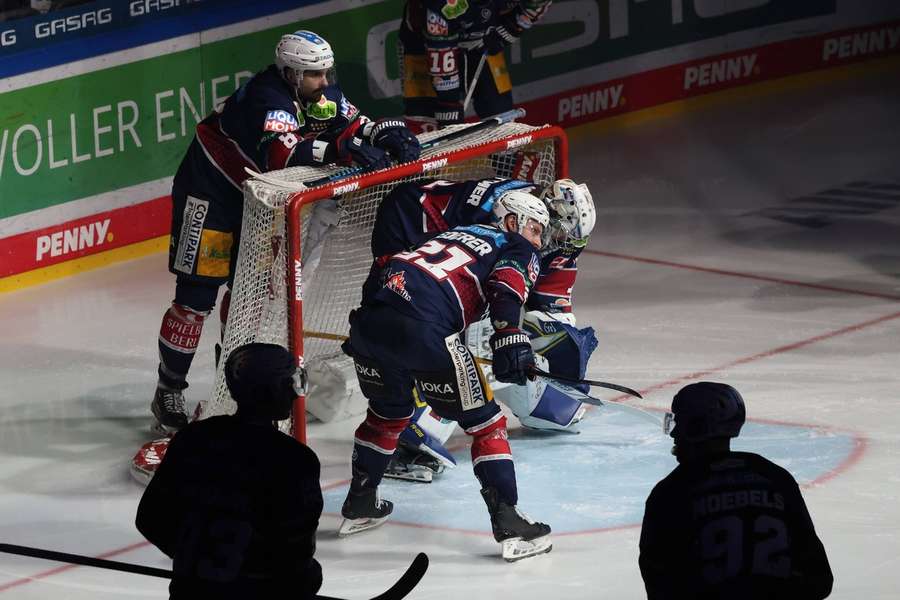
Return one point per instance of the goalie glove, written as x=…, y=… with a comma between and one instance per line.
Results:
x=394, y=136
x=364, y=154
x=512, y=356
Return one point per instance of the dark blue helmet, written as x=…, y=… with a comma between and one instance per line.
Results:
x=260, y=378
x=706, y=410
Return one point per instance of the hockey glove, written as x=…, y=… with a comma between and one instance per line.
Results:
x=393, y=135
x=366, y=155
x=448, y=113
x=498, y=37
x=512, y=355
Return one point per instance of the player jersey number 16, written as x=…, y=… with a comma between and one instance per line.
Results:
x=452, y=257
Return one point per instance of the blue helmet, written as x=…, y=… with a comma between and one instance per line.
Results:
x=705, y=410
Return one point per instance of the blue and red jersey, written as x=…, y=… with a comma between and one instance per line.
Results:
x=416, y=211
x=262, y=127
x=453, y=277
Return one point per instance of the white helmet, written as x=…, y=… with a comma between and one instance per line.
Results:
x=524, y=205
x=303, y=51
x=572, y=213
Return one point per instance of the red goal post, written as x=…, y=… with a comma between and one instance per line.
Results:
x=304, y=253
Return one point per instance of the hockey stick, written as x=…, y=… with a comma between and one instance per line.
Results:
x=474, y=82
x=499, y=119
x=590, y=382
x=588, y=399
x=400, y=589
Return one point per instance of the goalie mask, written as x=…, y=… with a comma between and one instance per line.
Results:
x=263, y=380
x=526, y=207
x=572, y=214
x=704, y=411
x=303, y=51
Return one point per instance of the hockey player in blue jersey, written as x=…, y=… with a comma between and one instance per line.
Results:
x=291, y=113
x=407, y=336
x=441, y=44
x=416, y=211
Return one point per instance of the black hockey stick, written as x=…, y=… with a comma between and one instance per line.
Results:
x=590, y=382
x=620, y=406
x=498, y=119
x=399, y=590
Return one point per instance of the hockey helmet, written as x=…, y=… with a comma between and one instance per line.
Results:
x=572, y=214
x=524, y=206
x=703, y=411
x=262, y=379
x=303, y=51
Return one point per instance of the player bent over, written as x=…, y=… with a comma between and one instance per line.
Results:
x=236, y=503
x=726, y=524
x=407, y=336
x=416, y=211
x=291, y=113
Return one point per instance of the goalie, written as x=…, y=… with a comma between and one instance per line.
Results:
x=414, y=212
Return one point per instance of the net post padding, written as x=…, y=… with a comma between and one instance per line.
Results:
x=303, y=304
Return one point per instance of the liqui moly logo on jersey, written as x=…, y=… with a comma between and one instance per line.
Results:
x=73, y=239
x=298, y=280
x=434, y=164
x=280, y=121
x=522, y=141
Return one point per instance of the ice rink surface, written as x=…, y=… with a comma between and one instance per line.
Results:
x=753, y=241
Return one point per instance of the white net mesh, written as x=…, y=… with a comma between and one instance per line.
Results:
x=335, y=236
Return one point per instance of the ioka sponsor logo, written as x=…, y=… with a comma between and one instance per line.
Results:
x=860, y=44
x=70, y=240
x=720, y=71
x=590, y=103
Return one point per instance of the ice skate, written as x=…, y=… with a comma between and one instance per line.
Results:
x=363, y=510
x=411, y=465
x=168, y=410
x=519, y=536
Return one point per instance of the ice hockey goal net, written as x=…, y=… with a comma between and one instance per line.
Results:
x=303, y=306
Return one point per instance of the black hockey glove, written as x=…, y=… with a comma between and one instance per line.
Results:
x=498, y=37
x=366, y=155
x=512, y=355
x=393, y=135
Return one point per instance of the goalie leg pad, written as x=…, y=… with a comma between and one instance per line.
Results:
x=540, y=406
x=421, y=453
